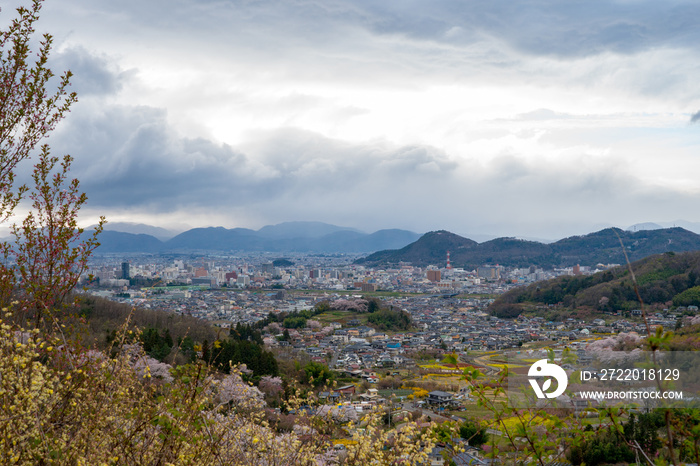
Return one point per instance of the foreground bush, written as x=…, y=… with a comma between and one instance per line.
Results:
x=62, y=404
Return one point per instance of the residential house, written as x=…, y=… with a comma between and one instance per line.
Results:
x=440, y=398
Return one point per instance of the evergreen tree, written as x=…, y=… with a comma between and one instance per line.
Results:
x=206, y=352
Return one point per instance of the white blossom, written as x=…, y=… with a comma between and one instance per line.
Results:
x=356, y=305
x=616, y=349
x=232, y=389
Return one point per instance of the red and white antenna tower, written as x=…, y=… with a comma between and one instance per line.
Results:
x=449, y=266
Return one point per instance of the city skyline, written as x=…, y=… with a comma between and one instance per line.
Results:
x=535, y=120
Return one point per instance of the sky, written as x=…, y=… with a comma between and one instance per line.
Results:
x=538, y=119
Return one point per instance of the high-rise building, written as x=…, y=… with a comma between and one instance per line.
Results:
x=125, y=271
x=433, y=275
x=243, y=280
x=489, y=272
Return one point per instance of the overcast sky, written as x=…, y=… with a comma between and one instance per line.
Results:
x=535, y=118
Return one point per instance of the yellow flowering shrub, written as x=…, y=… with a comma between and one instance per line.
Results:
x=61, y=407
x=68, y=405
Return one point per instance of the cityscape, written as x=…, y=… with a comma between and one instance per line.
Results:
x=403, y=372
x=349, y=233
x=448, y=307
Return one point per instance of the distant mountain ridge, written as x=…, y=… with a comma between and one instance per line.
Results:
x=162, y=234
x=307, y=237
x=118, y=241
x=302, y=230
x=588, y=250
x=392, y=246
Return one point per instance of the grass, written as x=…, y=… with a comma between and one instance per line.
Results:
x=503, y=366
x=473, y=410
x=397, y=392
x=436, y=366
x=341, y=317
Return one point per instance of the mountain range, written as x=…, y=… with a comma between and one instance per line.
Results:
x=392, y=246
x=304, y=237
x=603, y=247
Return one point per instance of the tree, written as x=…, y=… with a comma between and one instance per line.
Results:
x=47, y=252
x=206, y=353
x=234, y=351
x=373, y=305
x=27, y=111
x=691, y=296
x=474, y=433
x=294, y=322
x=317, y=374
x=322, y=307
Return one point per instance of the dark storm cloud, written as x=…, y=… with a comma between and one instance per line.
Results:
x=695, y=118
x=130, y=157
x=92, y=74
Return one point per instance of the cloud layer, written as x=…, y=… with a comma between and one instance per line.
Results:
x=529, y=118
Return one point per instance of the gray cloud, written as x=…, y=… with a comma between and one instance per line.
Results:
x=129, y=158
x=92, y=74
x=545, y=27
x=548, y=27
x=399, y=44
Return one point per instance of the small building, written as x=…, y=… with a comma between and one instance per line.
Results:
x=440, y=398
x=346, y=390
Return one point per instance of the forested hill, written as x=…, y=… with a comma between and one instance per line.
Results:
x=595, y=248
x=664, y=280
x=431, y=248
